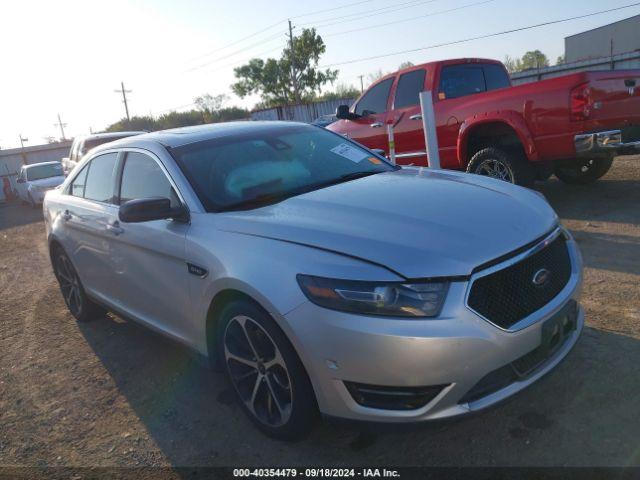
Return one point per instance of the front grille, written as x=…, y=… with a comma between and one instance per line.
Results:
x=507, y=296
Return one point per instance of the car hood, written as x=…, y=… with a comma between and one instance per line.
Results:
x=48, y=182
x=415, y=221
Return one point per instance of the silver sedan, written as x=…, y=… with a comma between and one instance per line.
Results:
x=320, y=277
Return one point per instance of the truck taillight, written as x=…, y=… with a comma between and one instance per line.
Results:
x=580, y=103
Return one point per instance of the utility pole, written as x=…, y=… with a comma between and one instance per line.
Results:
x=294, y=80
x=361, y=83
x=124, y=99
x=24, y=155
x=61, y=125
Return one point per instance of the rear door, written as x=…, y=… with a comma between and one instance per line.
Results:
x=407, y=115
x=370, y=129
x=149, y=257
x=90, y=212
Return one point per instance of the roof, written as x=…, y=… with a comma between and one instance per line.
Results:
x=176, y=137
x=41, y=163
x=111, y=134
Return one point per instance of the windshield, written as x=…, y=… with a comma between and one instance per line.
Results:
x=271, y=164
x=39, y=172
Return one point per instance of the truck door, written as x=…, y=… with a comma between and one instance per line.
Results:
x=370, y=129
x=407, y=117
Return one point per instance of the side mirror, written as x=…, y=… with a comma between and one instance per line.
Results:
x=343, y=113
x=20, y=180
x=147, y=209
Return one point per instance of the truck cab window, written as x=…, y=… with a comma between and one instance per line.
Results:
x=409, y=87
x=375, y=100
x=461, y=80
x=495, y=76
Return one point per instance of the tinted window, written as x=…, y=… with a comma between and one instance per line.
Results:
x=272, y=163
x=461, y=80
x=99, y=184
x=409, y=87
x=375, y=100
x=142, y=177
x=44, y=171
x=77, y=185
x=495, y=76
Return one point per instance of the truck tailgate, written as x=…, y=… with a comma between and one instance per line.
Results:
x=615, y=97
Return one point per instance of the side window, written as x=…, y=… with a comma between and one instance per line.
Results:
x=375, y=100
x=142, y=177
x=100, y=178
x=460, y=80
x=76, y=187
x=409, y=87
x=495, y=76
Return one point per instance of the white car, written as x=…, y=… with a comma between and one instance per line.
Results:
x=36, y=179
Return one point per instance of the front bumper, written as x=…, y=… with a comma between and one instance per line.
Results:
x=604, y=144
x=456, y=351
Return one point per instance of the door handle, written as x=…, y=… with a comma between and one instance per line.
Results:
x=115, y=228
x=415, y=117
x=376, y=125
x=66, y=216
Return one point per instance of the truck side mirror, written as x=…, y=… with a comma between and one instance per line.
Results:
x=343, y=113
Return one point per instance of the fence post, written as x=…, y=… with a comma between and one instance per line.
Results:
x=429, y=127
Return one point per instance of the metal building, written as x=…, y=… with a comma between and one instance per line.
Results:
x=609, y=40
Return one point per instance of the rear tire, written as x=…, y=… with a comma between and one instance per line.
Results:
x=582, y=171
x=269, y=380
x=509, y=166
x=79, y=304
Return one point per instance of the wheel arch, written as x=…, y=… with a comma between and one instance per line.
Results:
x=498, y=129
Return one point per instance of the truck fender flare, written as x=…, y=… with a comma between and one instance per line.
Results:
x=507, y=117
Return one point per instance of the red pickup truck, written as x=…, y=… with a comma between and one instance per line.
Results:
x=572, y=125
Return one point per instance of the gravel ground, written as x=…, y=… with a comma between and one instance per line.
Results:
x=110, y=393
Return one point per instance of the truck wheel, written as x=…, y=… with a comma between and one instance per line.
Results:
x=509, y=166
x=582, y=172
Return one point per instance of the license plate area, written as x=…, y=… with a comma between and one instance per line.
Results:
x=554, y=333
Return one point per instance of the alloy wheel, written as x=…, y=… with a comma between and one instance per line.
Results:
x=69, y=284
x=258, y=371
x=495, y=169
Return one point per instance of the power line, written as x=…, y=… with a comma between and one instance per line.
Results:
x=409, y=19
x=368, y=13
x=504, y=32
x=331, y=9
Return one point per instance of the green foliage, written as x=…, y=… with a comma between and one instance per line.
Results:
x=210, y=110
x=531, y=59
x=342, y=91
x=405, y=64
x=273, y=80
x=561, y=60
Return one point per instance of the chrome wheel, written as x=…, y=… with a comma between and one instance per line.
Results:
x=69, y=284
x=258, y=371
x=495, y=169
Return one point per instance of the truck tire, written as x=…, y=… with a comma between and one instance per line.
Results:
x=582, y=172
x=510, y=166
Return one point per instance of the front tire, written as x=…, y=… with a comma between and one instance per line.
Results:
x=581, y=171
x=509, y=166
x=269, y=379
x=79, y=304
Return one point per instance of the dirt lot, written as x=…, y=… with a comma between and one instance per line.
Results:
x=110, y=393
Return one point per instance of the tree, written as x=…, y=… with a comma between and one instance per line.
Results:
x=534, y=59
x=560, y=60
x=512, y=64
x=405, y=64
x=373, y=76
x=274, y=80
x=208, y=103
x=342, y=91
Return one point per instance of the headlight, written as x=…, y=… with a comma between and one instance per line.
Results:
x=376, y=298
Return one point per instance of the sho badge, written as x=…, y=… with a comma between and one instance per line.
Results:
x=196, y=270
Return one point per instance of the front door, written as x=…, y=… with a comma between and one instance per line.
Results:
x=149, y=257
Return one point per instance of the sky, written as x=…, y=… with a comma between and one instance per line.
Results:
x=68, y=57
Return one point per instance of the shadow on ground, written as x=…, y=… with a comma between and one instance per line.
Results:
x=15, y=214
x=586, y=409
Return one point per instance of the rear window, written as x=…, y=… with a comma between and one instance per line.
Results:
x=409, y=87
x=461, y=80
x=495, y=76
